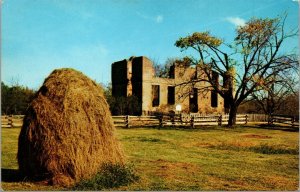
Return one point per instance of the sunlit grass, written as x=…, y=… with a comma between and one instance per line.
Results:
x=207, y=158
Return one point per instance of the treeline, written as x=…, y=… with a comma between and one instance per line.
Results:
x=289, y=106
x=15, y=99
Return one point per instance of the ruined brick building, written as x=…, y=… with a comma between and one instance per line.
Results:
x=136, y=76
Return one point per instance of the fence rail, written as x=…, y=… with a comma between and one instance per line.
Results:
x=11, y=121
x=191, y=120
x=258, y=117
x=128, y=121
x=188, y=120
x=284, y=119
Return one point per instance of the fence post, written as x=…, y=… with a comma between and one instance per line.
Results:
x=160, y=118
x=173, y=120
x=180, y=118
x=220, y=120
x=192, y=122
x=246, y=119
x=10, y=121
x=127, y=121
x=270, y=120
x=293, y=120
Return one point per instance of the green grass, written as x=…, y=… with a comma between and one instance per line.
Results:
x=207, y=158
x=267, y=149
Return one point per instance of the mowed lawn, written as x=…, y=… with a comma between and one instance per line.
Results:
x=206, y=158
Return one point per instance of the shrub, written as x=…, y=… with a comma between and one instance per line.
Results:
x=109, y=176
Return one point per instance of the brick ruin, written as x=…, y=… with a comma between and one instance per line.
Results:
x=136, y=76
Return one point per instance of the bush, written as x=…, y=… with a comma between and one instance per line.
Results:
x=109, y=176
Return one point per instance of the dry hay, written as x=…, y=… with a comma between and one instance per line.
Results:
x=68, y=132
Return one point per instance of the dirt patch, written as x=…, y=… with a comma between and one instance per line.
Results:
x=197, y=144
x=280, y=182
x=178, y=165
x=257, y=136
x=219, y=144
x=174, y=170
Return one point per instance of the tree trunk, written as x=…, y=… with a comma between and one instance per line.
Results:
x=232, y=116
x=270, y=120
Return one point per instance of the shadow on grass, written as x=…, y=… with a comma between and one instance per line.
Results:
x=10, y=175
x=190, y=129
x=184, y=128
x=236, y=128
x=275, y=127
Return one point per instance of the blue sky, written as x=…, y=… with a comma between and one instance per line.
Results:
x=39, y=36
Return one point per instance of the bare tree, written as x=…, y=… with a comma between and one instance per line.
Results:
x=248, y=64
x=271, y=98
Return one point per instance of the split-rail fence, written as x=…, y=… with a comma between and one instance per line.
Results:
x=184, y=120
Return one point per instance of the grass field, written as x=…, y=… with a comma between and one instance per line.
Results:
x=208, y=158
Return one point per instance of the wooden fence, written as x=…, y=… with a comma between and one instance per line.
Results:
x=257, y=118
x=11, y=121
x=196, y=119
x=188, y=120
x=129, y=121
x=284, y=119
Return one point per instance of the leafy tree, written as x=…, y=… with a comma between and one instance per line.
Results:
x=15, y=99
x=121, y=105
x=5, y=98
x=246, y=66
x=124, y=105
x=164, y=69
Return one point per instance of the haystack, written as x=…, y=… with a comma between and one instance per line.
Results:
x=68, y=132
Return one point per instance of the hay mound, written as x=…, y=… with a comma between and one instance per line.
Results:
x=68, y=132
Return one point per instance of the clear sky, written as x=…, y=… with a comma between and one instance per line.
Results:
x=39, y=36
